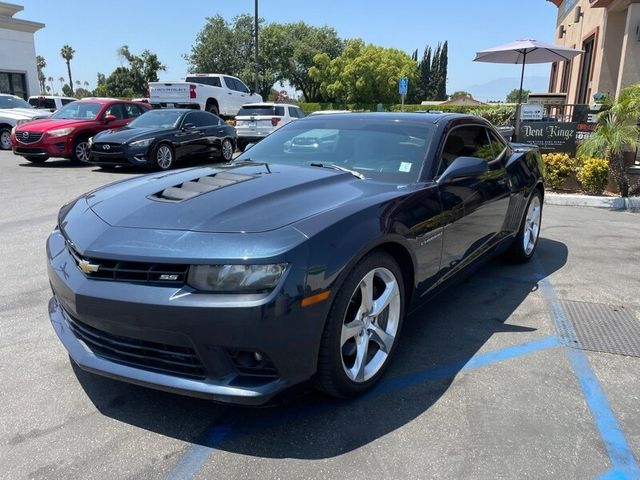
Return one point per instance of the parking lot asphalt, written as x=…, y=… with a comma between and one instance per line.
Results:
x=483, y=386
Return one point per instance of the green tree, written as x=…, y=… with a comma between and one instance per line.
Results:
x=142, y=69
x=67, y=91
x=425, y=72
x=41, y=64
x=616, y=134
x=513, y=95
x=460, y=94
x=66, y=52
x=364, y=73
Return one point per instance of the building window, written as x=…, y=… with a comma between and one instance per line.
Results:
x=566, y=76
x=554, y=77
x=14, y=84
x=585, y=70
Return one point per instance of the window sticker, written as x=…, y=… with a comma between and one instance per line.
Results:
x=405, y=167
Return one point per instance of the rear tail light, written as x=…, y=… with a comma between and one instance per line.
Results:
x=192, y=91
x=275, y=121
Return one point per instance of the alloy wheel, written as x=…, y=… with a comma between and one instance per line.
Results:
x=82, y=151
x=370, y=325
x=164, y=157
x=5, y=140
x=227, y=150
x=532, y=225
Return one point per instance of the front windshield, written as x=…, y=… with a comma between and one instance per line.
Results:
x=157, y=119
x=9, y=101
x=78, y=111
x=380, y=149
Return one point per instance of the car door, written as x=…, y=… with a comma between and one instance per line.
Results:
x=189, y=139
x=244, y=92
x=117, y=110
x=235, y=100
x=212, y=128
x=476, y=206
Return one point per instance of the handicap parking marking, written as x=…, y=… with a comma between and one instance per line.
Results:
x=623, y=461
x=196, y=455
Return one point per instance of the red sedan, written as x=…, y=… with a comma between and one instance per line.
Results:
x=66, y=133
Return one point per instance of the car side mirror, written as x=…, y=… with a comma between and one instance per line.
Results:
x=464, y=167
x=109, y=118
x=188, y=126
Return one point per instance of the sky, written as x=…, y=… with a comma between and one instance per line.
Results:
x=96, y=29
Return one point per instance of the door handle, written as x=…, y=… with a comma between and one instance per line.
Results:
x=229, y=93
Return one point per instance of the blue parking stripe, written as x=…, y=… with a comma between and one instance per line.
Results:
x=196, y=455
x=625, y=466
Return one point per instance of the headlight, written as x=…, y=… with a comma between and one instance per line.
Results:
x=62, y=213
x=142, y=143
x=235, y=278
x=61, y=132
x=90, y=141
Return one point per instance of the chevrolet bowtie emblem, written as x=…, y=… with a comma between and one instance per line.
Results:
x=87, y=267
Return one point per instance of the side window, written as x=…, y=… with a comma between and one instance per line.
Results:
x=462, y=141
x=292, y=112
x=132, y=111
x=300, y=112
x=201, y=119
x=278, y=111
x=241, y=87
x=495, y=148
x=65, y=101
x=230, y=83
x=116, y=110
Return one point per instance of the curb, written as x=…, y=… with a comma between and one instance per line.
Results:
x=574, y=200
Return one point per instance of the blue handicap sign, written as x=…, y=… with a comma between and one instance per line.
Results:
x=404, y=85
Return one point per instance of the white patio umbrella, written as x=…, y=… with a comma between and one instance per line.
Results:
x=526, y=51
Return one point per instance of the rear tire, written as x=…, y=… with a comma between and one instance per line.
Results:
x=36, y=159
x=526, y=241
x=226, y=150
x=213, y=108
x=362, y=328
x=5, y=138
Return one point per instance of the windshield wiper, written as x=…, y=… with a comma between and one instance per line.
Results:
x=338, y=167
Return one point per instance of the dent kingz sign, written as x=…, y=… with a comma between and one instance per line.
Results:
x=550, y=136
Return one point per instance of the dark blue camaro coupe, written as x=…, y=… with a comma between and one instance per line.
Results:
x=297, y=261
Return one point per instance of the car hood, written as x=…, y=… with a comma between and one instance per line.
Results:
x=22, y=113
x=125, y=134
x=47, y=124
x=266, y=198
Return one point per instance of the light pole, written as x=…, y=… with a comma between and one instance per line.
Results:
x=255, y=33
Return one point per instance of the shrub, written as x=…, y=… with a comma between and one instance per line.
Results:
x=558, y=167
x=593, y=175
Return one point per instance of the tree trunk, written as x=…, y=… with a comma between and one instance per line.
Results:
x=70, y=79
x=619, y=172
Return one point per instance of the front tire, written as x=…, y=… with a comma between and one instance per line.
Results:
x=362, y=328
x=81, y=149
x=163, y=157
x=526, y=241
x=5, y=138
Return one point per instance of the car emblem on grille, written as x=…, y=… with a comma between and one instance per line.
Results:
x=25, y=135
x=106, y=147
x=87, y=267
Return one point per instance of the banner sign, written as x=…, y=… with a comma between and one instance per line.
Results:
x=550, y=136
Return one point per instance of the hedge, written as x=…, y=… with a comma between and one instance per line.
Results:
x=496, y=114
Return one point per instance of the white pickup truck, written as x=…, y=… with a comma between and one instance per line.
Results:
x=222, y=95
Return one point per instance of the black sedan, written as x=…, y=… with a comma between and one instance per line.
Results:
x=160, y=138
x=297, y=261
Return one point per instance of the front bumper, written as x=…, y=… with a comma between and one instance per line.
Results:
x=215, y=327
x=45, y=147
x=126, y=156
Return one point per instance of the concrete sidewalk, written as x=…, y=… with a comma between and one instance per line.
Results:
x=579, y=200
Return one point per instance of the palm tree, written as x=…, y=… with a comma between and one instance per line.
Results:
x=50, y=80
x=61, y=80
x=41, y=63
x=616, y=134
x=67, y=52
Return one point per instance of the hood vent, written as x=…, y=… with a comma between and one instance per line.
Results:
x=198, y=186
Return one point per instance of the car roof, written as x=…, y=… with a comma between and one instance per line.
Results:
x=269, y=104
x=430, y=117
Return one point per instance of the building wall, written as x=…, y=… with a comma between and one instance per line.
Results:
x=616, y=53
x=18, y=54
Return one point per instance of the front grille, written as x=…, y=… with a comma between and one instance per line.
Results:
x=106, y=147
x=28, y=137
x=159, y=357
x=159, y=273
